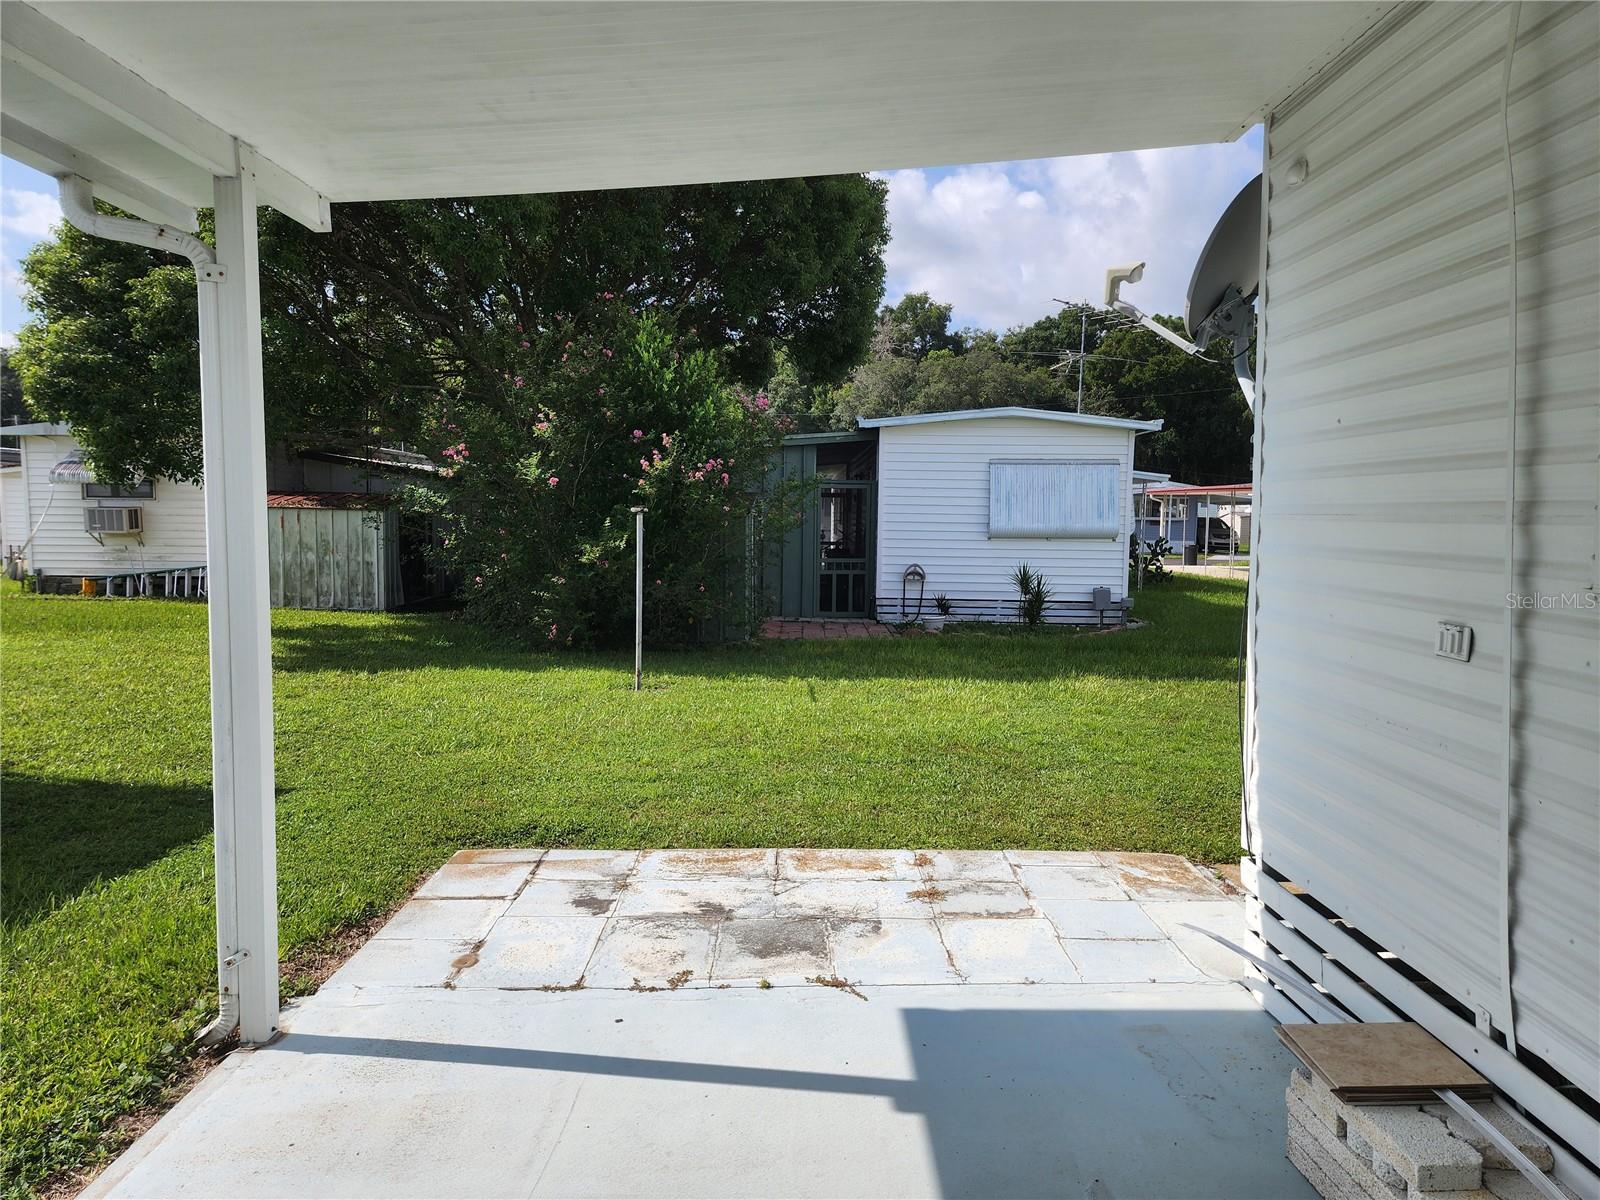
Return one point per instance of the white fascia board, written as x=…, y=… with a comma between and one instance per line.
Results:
x=36, y=429
x=1033, y=414
x=43, y=153
x=33, y=43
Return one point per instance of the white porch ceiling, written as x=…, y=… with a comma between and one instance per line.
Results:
x=366, y=101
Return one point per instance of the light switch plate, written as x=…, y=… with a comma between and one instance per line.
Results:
x=1454, y=641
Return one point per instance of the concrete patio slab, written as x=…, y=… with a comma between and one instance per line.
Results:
x=653, y=952
x=978, y=866
x=980, y=900
x=1163, y=877
x=1054, y=858
x=850, y=899
x=1070, y=883
x=477, y=879
x=635, y=1052
x=533, y=952
x=1104, y=960
x=1007, y=950
x=894, y=951
x=1099, y=919
x=780, y=951
x=847, y=864
x=461, y=920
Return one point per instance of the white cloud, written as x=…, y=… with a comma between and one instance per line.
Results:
x=999, y=240
x=28, y=215
x=8, y=340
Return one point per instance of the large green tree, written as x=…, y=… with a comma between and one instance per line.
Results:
x=404, y=299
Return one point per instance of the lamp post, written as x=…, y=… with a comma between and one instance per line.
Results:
x=638, y=595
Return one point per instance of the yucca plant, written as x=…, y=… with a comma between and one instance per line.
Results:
x=1033, y=593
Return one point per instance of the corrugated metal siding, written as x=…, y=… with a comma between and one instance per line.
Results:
x=933, y=509
x=331, y=558
x=1378, y=768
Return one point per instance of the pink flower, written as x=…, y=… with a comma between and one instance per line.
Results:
x=554, y=481
x=608, y=296
x=552, y=633
x=637, y=434
x=518, y=381
x=524, y=345
x=564, y=357
x=606, y=352
x=605, y=562
x=702, y=587
x=600, y=391
x=762, y=402
x=478, y=579
x=666, y=439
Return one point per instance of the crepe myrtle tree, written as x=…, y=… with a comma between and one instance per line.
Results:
x=538, y=474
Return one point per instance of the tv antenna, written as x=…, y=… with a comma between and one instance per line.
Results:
x=1221, y=297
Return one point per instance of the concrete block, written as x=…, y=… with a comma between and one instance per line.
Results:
x=1386, y=1174
x=1316, y=1096
x=1518, y=1133
x=1513, y=1185
x=1350, y=1174
x=1418, y=1146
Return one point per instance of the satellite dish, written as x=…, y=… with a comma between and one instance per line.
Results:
x=1229, y=270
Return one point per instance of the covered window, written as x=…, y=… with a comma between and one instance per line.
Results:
x=1053, y=498
x=142, y=490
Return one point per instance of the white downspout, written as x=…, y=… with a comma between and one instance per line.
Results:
x=77, y=206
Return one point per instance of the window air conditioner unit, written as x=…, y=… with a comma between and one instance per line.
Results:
x=113, y=520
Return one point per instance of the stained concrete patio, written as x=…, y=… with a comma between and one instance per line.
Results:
x=760, y=1022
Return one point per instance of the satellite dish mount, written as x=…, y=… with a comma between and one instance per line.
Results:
x=1222, y=293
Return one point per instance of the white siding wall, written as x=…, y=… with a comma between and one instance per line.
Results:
x=933, y=509
x=174, y=521
x=1377, y=777
x=13, y=507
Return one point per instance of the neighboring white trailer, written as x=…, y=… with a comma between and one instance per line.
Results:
x=1448, y=810
x=967, y=496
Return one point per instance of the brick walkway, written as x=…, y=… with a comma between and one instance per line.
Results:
x=779, y=627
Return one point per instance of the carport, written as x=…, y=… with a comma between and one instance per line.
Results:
x=1424, y=842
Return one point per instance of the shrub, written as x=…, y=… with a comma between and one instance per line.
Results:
x=1033, y=594
x=539, y=470
x=1155, y=555
x=942, y=603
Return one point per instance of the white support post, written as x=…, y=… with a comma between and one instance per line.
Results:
x=234, y=442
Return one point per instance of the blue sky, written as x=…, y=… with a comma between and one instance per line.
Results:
x=996, y=240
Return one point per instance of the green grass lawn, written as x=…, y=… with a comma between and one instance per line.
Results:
x=403, y=738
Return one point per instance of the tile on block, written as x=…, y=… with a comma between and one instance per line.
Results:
x=707, y=864
x=653, y=952
x=1054, y=858
x=1006, y=950
x=465, y=880
x=587, y=864
x=894, y=951
x=1163, y=877
x=497, y=856
x=533, y=952
x=981, y=866
x=566, y=898
x=458, y=920
x=1045, y=882
x=847, y=864
x=782, y=951
x=394, y=962
x=1104, y=961
x=980, y=900
x=1099, y=919
x=850, y=899
x=715, y=898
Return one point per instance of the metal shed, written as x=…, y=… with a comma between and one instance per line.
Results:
x=333, y=550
